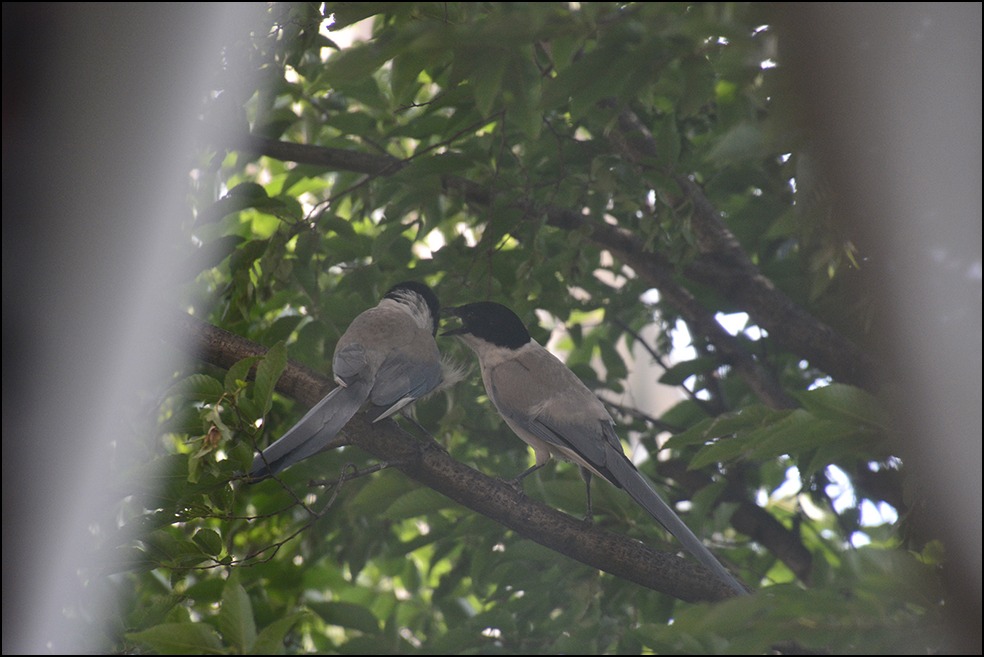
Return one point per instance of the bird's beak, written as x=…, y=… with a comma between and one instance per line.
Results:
x=452, y=312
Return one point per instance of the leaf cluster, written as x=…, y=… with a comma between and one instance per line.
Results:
x=611, y=171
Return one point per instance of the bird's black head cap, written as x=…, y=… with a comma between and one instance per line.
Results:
x=491, y=322
x=399, y=291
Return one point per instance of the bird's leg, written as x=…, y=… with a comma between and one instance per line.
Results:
x=407, y=414
x=586, y=475
x=517, y=483
x=350, y=472
x=412, y=420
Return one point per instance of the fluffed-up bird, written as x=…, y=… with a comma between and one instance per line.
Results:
x=386, y=359
x=547, y=406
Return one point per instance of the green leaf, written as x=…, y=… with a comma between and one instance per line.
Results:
x=239, y=373
x=283, y=327
x=668, y=143
x=271, y=639
x=585, y=82
x=209, y=541
x=242, y=196
x=235, y=619
x=391, y=247
x=838, y=401
x=156, y=612
x=378, y=494
x=334, y=223
x=728, y=424
x=790, y=432
x=487, y=80
x=742, y=142
x=180, y=639
x=344, y=614
x=522, y=101
x=242, y=260
x=417, y=502
x=797, y=433
x=357, y=63
x=171, y=551
x=211, y=254
x=268, y=372
x=199, y=387
x=441, y=164
x=723, y=451
x=406, y=68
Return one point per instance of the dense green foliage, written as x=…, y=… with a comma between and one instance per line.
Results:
x=600, y=167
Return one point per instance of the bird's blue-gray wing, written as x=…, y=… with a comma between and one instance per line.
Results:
x=407, y=374
x=540, y=394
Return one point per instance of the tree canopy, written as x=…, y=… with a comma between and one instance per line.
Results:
x=632, y=180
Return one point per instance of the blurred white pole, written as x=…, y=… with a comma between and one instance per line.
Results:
x=99, y=119
x=892, y=93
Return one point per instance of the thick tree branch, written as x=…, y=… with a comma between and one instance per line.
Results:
x=221, y=348
x=722, y=266
x=651, y=266
x=333, y=159
x=656, y=271
x=749, y=518
x=429, y=464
